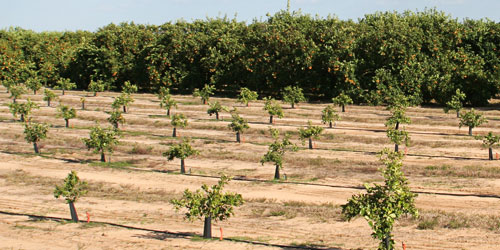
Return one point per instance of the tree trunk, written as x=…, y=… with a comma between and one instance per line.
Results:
x=490, y=152
x=343, y=108
x=168, y=112
x=458, y=113
x=72, y=210
x=183, y=167
x=387, y=241
x=396, y=148
x=310, y=143
x=35, y=147
x=470, y=130
x=397, y=126
x=277, y=173
x=248, y=104
x=67, y=122
x=83, y=105
x=174, y=133
x=95, y=93
x=331, y=124
x=34, y=92
x=124, y=109
x=48, y=103
x=207, y=228
x=22, y=117
x=271, y=119
x=103, y=157
x=238, y=137
x=217, y=115
x=293, y=105
x=14, y=100
x=204, y=101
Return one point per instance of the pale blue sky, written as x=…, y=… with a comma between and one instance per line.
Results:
x=61, y=15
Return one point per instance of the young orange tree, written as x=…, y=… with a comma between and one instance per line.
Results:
x=101, y=140
x=277, y=150
x=209, y=203
x=181, y=151
x=238, y=124
x=178, y=120
x=34, y=132
x=71, y=190
x=66, y=113
x=310, y=132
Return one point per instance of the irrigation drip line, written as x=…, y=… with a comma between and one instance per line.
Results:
x=166, y=232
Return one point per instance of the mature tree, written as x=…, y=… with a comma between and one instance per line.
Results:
x=455, y=103
x=129, y=88
x=310, y=132
x=382, y=205
x=178, y=120
x=246, y=95
x=101, y=140
x=49, y=95
x=342, y=100
x=181, y=151
x=490, y=141
x=96, y=86
x=238, y=124
x=273, y=108
x=64, y=84
x=16, y=91
x=66, y=113
x=34, y=132
x=123, y=100
x=209, y=203
x=204, y=93
x=329, y=115
x=23, y=109
x=472, y=120
x=168, y=103
x=115, y=118
x=277, y=150
x=71, y=190
x=34, y=84
x=215, y=108
x=293, y=95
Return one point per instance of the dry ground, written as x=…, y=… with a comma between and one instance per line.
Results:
x=443, y=164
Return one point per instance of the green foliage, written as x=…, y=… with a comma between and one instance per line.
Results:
x=33, y=83
x=278, y=148
x=310, y=132
x=168, y=102
x=238, y=123
x=23, y=109
x=34, y=132
x=179, y=120
x=96, y=86
x=293, y=95
x=456, y=102
x=116, y=117
x=129, y=88
x=398, y=136
x=66, y=112
x=163, y=92
x=273, y=107
x=209, y=202
x=65, y=84
x=342, y=100
x=490, y=140
x=72, y=189
x=471, y=119
x=49, y=95
x=382, y=205
x=398, y=116
x=216, y=108
x=329, y=115
x=101, y=140
x=16, y=91
x=123, y=100
x=181, y=151
x=246, y=95
x=204, y=93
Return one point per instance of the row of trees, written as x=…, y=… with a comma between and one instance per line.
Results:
x=426, y=55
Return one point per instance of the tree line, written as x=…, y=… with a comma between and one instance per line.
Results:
x=424, y=55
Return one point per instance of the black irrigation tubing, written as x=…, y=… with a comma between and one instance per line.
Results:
x=165, y=232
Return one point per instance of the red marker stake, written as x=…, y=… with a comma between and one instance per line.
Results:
x=88, y=217
x=220, y=234
x=404, y=246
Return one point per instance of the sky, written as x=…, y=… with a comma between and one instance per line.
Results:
x=71, y=15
